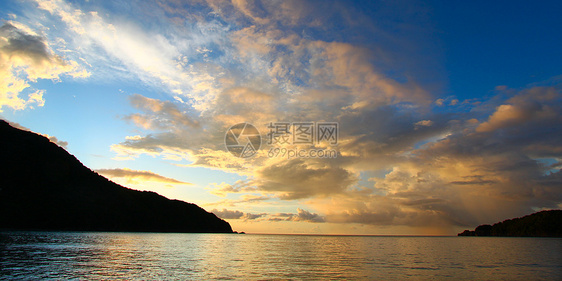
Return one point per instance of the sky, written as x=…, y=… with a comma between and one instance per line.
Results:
x=373, y=117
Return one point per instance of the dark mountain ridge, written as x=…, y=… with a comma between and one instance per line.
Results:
x=541, y=224
x=43, y=187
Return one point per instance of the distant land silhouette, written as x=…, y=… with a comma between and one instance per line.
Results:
x=541, y=224
x=43, y=187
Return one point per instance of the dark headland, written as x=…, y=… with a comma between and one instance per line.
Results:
x=43, y=187
x=541, y=224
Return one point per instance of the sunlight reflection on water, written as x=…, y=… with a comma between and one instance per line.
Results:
x=228, y=256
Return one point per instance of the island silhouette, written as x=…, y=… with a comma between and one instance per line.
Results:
x=43, y=187
x=540, y=224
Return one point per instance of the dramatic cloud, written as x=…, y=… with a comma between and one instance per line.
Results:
x=295, y=179
x=312, y=80
x=431, y=168
x=26, y=57
x=477, y=174
x=134, y=176
x=405, y=156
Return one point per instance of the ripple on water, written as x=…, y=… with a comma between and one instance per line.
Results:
x=31, y=255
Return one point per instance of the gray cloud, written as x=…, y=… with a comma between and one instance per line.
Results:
x=296, y=179
x=229, y=214
x=60, y=143
x=304, y=215
x=420, y=209
x=25, y=58
x=22, y=44
x=250, y=216
x=159, y=114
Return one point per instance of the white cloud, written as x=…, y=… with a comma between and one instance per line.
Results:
x=26, y=57
x=152, y=55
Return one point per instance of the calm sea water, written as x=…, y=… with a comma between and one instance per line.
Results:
x=60, y=255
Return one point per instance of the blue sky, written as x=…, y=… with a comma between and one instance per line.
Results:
x=448, y=112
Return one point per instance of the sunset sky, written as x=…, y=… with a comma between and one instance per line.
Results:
x=449, y=113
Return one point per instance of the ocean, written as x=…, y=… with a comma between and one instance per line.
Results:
x=153, y=256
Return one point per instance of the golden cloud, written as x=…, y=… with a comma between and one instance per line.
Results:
x=135, y=176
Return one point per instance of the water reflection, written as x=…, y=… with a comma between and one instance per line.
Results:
x=222, y=256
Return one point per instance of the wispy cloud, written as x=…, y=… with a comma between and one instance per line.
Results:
x=158, y=58
x=135, y=176
x=244, y=200
x=160, y=114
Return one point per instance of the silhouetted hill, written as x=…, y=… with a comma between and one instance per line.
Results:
x=541, y=224
x=43, y=187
